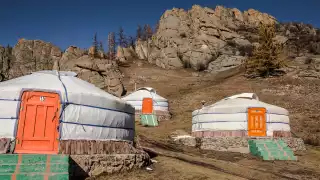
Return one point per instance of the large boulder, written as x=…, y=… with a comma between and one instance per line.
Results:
x=33, y=55
x=103, y=73
x=224, y=63
x=125, y=54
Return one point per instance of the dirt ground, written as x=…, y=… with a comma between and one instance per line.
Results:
x=186, y=89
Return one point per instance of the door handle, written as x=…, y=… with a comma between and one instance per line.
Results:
x=17, y=140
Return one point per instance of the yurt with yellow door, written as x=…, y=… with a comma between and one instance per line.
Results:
x=51, y=112
x=241, y=115
x=158, y=104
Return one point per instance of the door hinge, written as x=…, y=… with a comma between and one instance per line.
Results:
x=17, y=140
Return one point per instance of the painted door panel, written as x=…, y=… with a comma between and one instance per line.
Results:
x=38, y=122
x=257, y=122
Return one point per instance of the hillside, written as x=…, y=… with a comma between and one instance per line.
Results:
x=298, y=95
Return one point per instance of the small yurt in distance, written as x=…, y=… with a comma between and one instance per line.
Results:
x=51, y=112
x=241, y=115
x=160, y=104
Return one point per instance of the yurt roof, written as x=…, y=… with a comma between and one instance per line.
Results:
x=239, y=104
x=144, y=92
x=65, y=83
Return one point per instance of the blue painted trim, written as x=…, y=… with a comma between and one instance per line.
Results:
x=10, y=100
x=236, y=113
x=10, y=118
x=97, y=107
x=97, y=125
x=237, y=121
x=142, y=100
x=153, y=105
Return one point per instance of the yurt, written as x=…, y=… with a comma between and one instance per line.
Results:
x=241, y=115
x=52, y=112
x=160, y=104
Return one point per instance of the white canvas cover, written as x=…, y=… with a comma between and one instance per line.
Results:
x=89, y=113
x=231, y=114
x=136, y=98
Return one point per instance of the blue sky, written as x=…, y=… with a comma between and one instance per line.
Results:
x=74, y=22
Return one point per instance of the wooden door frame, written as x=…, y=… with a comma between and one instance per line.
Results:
x=23, y=90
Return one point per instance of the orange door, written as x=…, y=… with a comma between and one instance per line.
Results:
x=256, y=122
x=38, y=123
x=147, y=106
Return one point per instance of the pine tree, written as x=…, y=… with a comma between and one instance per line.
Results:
x=95, y=45
x=111, y=45
x=101, y=46
x=147, y=32
x=131, y=42
x=265, y=59
x=122, y=40
x=139, y=33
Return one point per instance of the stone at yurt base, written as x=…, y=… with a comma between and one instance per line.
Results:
x=160, y=104
x=80, y=119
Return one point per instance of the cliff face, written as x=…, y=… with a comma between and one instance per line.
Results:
x=35, y=55
x=214, y=39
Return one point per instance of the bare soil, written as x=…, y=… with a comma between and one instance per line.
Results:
x=186, y=89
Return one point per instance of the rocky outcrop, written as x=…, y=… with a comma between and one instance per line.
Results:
x=35, y=55
x=32, y=55
x=218, y=39
x=5, y=59
x=198, y=37
x=101, y=72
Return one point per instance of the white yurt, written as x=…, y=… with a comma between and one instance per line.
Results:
x=160, y=104
x=241, y=115
x=51, y=111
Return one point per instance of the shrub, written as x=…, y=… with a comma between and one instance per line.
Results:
x=265, y=59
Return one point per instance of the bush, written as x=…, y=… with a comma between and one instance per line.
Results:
x=265, y=59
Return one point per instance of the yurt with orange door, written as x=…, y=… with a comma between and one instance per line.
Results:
x=146, y=99
x=51, y=112
x=240, y=116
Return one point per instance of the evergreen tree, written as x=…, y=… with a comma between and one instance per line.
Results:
x=95, y=45
x=101, y=46
x=122, y=40
x=265, y=59
x=139, y=33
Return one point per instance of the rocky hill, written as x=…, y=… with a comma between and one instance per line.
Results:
x=34, y=55
x=217, y=39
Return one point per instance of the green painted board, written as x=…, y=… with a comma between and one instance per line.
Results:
x=149, y=120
